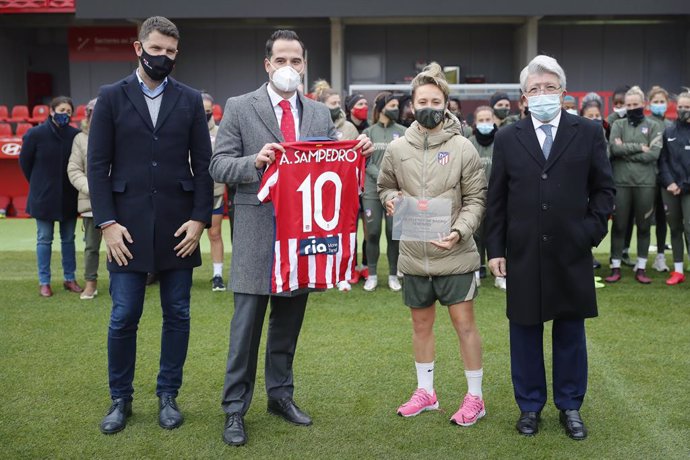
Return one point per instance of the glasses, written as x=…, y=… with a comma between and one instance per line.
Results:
x=548, y=89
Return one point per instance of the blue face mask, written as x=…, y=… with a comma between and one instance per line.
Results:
x=658, y=109
x=544, y=107
x=61, y=119
x=485, y=128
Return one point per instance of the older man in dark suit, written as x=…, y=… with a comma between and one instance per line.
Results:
x=253, y=125
x=550, y=195
x=151, y=192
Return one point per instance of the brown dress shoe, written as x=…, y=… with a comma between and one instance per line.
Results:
x=45, y=291
x=72, y=286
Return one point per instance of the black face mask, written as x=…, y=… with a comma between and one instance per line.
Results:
x=156, y=67
x=392, y=114
x=635, y=116
x=208, y=116
x=501, y=114
x=335, y=113
x=428, y=117
x=683, y=115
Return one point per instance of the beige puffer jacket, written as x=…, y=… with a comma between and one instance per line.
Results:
x=76, y=171
x=412, y=165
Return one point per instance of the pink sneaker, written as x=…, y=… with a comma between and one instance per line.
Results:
x=472, y=409
x=418, y=403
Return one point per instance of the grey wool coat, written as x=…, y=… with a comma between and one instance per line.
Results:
x=249, y=122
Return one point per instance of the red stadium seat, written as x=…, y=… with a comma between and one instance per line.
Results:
x=22, y=128
x=39, y=114
x=5, y=130
x=20, y=113
x=217, y=112
x=4, y=113
x=79, y=113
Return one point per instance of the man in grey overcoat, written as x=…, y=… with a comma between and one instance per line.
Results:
x=249, y=134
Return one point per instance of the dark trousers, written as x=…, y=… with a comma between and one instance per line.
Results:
x=284, y=324
x=569, y=365
x=127, y=291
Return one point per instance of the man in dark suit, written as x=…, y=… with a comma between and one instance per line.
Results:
x=253, y=125
x=151, y=192
x=550, y=194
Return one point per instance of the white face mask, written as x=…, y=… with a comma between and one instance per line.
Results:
x=621, y=111
x=571, y=111
x=286, y=79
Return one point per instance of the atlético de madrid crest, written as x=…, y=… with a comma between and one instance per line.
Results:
x=443, y=158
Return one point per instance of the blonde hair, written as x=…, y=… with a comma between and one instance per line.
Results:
x=636, y=91
x=319, y=87
x=685, y=93
x=657, y=90
x=432, y=75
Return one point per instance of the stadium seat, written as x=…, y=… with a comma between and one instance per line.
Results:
x=217, y=112
x=39, y=114
x=22, y=128
x=20, y=113
x=4, y=113
x=79, y=113
x=5, y=130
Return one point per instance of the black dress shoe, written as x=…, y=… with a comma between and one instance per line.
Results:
x=528, y=423
x=116, y=418
x=574, y=426
x=287, y=409
x=169, y=416
x=234, y=433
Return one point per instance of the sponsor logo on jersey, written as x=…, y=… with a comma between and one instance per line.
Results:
x=314, y=246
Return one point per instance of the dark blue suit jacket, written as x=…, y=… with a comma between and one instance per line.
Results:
x=151, y=179
x=544, y=216
x=45, y=153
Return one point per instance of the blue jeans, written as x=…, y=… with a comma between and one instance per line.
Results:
x=44, y=244
x=127, y=291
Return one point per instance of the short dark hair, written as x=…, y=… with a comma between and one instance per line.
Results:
x=158, y=24
x=61, y=100
x=282, y=34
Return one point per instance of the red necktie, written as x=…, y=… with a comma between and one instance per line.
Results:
x=287, y=122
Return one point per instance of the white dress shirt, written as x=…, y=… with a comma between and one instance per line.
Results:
x=541, y=136
x=275, y=100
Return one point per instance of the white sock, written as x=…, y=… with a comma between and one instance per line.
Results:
x=474, y=382
x=217, y=269
x=425, y=376
x=373, y=277
x=615, y=263
x=641, y=264
x=678, y=267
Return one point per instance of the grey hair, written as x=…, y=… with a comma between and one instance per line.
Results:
x=207, y=97
x=592, y=98
x=540, y=65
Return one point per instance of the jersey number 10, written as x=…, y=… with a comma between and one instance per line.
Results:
x=316, y=211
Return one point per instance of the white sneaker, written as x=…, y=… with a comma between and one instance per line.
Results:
x=500, y=283
x=344, y=286
x=371, y=283
x=394, y=283
x=477, y=278
x=660, y=263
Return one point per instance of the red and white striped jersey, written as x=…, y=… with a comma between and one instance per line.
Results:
x=314, y=187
